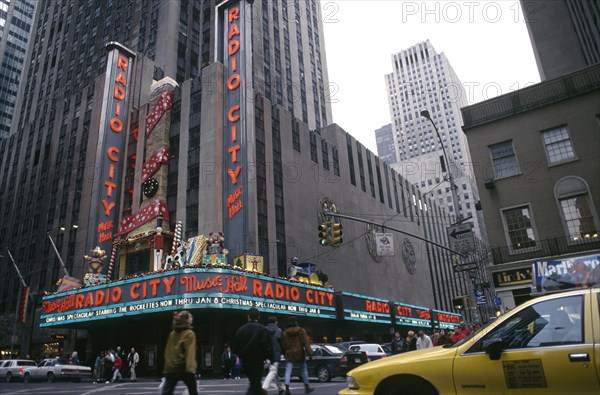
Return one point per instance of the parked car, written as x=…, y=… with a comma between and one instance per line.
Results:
x=346, y=345
x=373, y=351
x=14, y=369
x=548, y=345
x=328, y=361
x=53, y=369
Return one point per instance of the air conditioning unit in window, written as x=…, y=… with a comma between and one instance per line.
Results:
x=489, y=183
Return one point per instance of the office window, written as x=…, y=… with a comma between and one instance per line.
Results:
x=578, y=214
x=504, y=159
x=519, y=227
x=558, y=145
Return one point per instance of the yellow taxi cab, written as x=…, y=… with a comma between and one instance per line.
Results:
x=548, y=345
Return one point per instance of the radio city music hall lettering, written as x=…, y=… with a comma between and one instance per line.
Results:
x=234, y=202
x=377, y=307
x=287, y=292
x=112, y=154
x=406, y=311
x=443, y=317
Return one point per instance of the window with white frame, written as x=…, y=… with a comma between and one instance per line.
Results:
x=558, y=145
x=577, y=210
x=519, y=227
x=504, y=159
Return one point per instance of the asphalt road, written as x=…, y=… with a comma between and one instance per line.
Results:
x=150, y=386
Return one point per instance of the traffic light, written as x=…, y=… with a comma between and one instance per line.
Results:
x=324, y=229
x=336, y=234
x=22, y=310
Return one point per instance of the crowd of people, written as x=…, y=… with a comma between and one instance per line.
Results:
x=441, y=337
x=109, y=366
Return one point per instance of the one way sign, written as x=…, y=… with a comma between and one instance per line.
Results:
x=461, y=237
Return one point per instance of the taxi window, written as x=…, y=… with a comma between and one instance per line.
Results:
x=548, y=323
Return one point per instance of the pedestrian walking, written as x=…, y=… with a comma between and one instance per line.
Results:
x=273, y=375
x=75, y=358
x=117, y=369
x=253, y=344
x=237, y=367
x=97, y=373
x=180, y=355
x=227, y=362
x=296, y=348
x=108, y=363
x=132, y=360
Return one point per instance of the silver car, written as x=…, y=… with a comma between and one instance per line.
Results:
x=12, y=369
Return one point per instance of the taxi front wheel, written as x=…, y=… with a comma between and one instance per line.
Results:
x=407, y=385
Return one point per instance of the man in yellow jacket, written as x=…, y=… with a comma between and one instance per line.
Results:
x=180, y=355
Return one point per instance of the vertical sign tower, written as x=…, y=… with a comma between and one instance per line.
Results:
x=110, y=153
x=233, y=51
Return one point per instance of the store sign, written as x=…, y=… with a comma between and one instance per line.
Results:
x=508, y=278
x=110, y=154
x=410, y=315
x=566, y=273
x=364, y=308
x=445, y=320
x=188, y=289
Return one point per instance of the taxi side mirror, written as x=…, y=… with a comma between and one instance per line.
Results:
x=494, y=348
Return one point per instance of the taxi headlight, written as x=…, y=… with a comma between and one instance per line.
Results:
x=352, y=383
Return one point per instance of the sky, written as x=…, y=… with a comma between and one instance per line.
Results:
x=486, y=42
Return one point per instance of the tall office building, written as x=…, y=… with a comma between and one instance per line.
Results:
x=423, y=79
x=386, y=149
x=565, y=35
x=234, y=91
x=15, y=26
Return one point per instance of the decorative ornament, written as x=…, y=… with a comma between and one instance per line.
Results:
x=150, y=187
x=408, y=255
x=95, y=260
x=371, y=243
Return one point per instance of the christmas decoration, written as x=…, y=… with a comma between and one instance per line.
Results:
x=150, y=187
x=158, y=158
x=68, y=283
x=215, y=251
x=95, y=260
x=134, y=221
x=162, y=105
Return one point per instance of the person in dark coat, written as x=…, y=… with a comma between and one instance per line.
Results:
x=412, y=341
x=296, y=348
x=276, y=334
x=227, y=362
x=253, y=344
x=398, y=344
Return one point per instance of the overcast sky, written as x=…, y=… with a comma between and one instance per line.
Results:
x=486, y=42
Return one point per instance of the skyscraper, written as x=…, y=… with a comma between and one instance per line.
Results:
x=386, y=149
x=565, y=35
x=423, y=79
x=15, y=26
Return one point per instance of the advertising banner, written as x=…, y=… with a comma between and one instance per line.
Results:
x=567, y=273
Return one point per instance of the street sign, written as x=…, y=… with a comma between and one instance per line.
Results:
x=461, y=237
x=497, y=301
x=480, y=298
x=385, y=244
x=465, y=267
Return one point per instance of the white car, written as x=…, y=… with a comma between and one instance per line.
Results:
x=373, y=351
x=53, y=369
x=14, y=369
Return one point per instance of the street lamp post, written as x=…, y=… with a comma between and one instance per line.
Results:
x=450, y=177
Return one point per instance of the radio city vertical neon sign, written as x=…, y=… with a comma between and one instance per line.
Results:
x=234, y=199
x=110, y=154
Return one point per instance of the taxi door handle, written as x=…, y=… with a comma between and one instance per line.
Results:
x=580, y=357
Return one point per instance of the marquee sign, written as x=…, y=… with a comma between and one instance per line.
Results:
x=445, y=320
x=191, y=288
x=110, y=154
x=364, y=308
x=407, y=314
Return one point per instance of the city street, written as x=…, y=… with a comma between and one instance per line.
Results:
x=150, y=386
